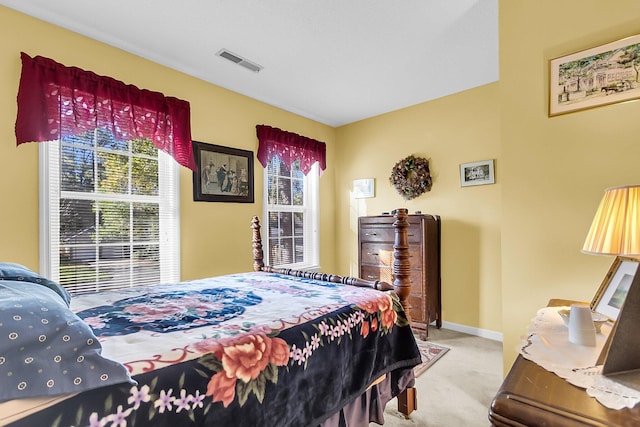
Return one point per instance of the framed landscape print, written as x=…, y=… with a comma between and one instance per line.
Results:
x=602, y=75
x=224, y=174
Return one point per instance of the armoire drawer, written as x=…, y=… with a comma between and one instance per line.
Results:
x=386, y=233
x=377, y=234
x=382, y=254
x=374, y=272
x=385, y=274
x=377, y=254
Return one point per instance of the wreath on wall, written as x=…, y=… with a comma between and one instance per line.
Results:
x=411, y=177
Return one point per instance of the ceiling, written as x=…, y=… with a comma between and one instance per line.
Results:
x=333, y=61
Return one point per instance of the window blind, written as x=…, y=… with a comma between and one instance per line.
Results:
x=109, y=213
x=291, y=213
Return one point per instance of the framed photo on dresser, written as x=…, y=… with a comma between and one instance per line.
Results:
x=613, y=291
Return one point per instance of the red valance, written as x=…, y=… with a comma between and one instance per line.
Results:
x=55, y=101
x=289, y=147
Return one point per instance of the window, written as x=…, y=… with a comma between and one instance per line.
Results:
x=292, y=164
x=291, y=209
x=109, y=212
x=109, y=208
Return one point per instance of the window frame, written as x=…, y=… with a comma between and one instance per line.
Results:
x=49, y=227
x=310, y=210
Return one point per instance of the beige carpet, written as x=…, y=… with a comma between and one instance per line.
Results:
x=430, y=352
x=458, y=389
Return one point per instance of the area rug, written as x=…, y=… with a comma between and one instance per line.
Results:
x=430, y=354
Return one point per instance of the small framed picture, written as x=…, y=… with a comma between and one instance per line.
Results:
x=477, y=173
x=224, y=174
x=363, y=188
x=613, y=291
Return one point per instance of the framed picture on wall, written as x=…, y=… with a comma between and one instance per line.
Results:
x=363, y=188
x=593, y=77
x=224, y=174
x=614, y=288
x=477, y=173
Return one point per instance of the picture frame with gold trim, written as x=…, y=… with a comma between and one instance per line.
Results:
x=594, y=77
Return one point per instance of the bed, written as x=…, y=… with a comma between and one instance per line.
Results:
x=272, y=347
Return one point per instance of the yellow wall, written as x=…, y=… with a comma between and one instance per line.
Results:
x=215, y=237
x=460, y=128
x=554, y=170
x=507, y=248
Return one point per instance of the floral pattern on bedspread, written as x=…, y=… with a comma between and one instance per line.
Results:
x=246, y=362
x=168, y=311
x=232, y=304
x=296, y=368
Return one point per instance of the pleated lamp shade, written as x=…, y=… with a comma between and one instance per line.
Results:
x=616, y=226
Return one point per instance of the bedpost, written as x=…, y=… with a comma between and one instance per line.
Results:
x=258, y=255
x=401, y=264
x=407, y=399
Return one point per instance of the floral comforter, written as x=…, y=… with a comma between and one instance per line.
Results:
x=252, y=349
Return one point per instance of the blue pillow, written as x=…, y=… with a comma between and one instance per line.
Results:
x=46, y=349
x=11, y=271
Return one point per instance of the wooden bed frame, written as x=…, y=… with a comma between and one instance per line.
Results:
x=401, y=286
x=407, y=400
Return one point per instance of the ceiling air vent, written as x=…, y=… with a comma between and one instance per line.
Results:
x=239, y=60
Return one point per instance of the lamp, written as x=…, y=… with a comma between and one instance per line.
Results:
x=616, y=227
x=616, y=231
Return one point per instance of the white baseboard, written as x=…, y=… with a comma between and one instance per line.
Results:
x=482, y=333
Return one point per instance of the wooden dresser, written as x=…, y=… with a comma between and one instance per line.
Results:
x=375, y=260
